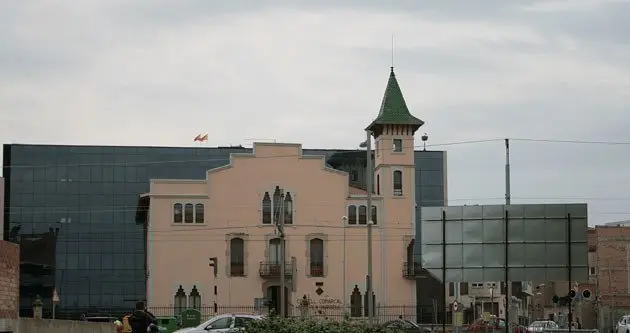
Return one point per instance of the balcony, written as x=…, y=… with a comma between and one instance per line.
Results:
x=316, y=269
x=271, y=270
x=413, y=271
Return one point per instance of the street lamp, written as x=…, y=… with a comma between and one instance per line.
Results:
x=367, y=144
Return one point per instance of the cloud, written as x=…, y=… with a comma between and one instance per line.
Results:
x=159, y=72
x=569, y=5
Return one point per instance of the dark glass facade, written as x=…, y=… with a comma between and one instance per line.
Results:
x=73, y=211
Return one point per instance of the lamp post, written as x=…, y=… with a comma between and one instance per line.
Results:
x=367, y=144
x=540, y=308
x=492, y=301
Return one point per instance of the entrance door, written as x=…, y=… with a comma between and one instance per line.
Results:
x=273, y=296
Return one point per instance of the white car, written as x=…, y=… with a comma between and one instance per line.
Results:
x=540, y=325
x=623, y=326
x=223, y=323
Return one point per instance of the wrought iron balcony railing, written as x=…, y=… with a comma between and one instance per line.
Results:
x=316, y=269
x=271, y=269
x=412, y=270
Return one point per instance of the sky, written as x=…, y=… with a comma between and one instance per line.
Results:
x=159, y=72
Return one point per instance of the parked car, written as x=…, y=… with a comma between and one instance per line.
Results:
x=495, y=324
x=540, y=325
x=623, y=325
x=223, y=323
x=405, y=326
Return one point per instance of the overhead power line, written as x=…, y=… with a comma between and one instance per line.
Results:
x=227, y=158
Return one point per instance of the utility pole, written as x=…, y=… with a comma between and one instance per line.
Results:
x=280, y=226
x=456, y=292
x=508, y=197
x=368, y=183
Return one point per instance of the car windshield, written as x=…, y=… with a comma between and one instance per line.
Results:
x=208, y=322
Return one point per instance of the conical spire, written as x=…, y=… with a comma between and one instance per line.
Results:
x=394, y=109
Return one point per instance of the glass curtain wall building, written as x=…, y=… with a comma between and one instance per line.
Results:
x=73, y=211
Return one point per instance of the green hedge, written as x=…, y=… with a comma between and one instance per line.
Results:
x=297, y=325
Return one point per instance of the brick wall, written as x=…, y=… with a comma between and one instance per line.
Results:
x=9, y=279
x=612, y=264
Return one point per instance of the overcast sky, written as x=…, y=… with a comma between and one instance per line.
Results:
x=157, y=72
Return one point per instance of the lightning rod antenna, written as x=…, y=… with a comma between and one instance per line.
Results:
x=392, y=51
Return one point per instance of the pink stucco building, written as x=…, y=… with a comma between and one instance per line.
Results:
x=231, y=216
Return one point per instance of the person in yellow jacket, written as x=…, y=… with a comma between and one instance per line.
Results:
x=119, y=325
x=126, y=328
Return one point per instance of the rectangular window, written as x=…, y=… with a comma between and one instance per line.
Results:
x=398, y=146
x=374, y=214
x=398, y=180
x=451, y=289
x=592, y=270
x=316, y=257
x=463, y=288
x=237, y=257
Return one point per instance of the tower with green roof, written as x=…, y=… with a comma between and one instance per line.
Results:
x=394, y=181
x=393, y=130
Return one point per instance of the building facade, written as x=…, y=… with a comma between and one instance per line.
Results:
x=78, y=205
x=325, y=234
x=325, y=222
x=479, y=297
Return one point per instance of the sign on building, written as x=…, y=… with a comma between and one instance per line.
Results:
x=535, y=242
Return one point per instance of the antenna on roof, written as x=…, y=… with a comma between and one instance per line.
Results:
x=392, y=51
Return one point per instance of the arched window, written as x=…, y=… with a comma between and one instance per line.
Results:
x=177, y=213
x=277, y=198
x=362, y=214
x=237, y=257
x=266, y=209
x=316, y=249
x=352, y=214
x=189, y=213
x=199, y=213
x=374, y=214
x=398, y=181
x=288, y=209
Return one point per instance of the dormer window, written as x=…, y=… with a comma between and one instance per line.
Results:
x=398, y=146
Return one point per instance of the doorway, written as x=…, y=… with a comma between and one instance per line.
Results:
x=273, y=296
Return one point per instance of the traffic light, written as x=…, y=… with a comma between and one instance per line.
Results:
x=586, y=293
x=555, y=299
x=213, y=263
x=571, y=293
